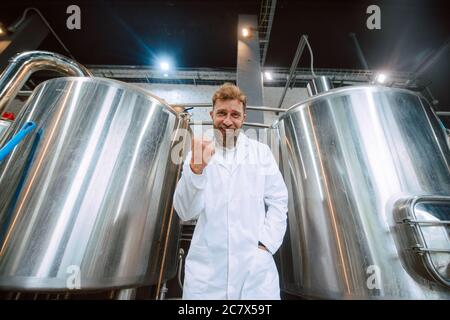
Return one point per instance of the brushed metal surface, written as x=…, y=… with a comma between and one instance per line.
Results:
x=348, y=155
x=89, y=193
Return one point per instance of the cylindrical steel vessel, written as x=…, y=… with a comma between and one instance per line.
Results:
x=24, y=64
x=318, y=85
x=85, y=200
x=368, y=171
x=4, y=125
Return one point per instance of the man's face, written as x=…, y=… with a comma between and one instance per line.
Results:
x=228, y=117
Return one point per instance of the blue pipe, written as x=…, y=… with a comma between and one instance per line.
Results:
x=9, y=146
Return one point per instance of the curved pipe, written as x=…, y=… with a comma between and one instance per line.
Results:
x=23, y=65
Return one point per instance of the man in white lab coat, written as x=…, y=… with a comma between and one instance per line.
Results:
x=227, y=184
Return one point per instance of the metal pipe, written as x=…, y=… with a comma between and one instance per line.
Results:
x=163, y=291
x=298, y=53
x=433, y=100
x=195, y=105
x=210, y=123
x=209, y=105
x=443, y=113
x=270, y=109
x=23, y=65
x=24, y=93
x=318, y=85
x=254, y=124
x=180, y=267
x=126, y=294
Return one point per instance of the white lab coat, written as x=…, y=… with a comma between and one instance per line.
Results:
x=224, y=261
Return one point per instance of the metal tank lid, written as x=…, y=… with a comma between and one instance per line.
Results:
x=336, y=92
x=115, y=84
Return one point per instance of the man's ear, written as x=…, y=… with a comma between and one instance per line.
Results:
x=245, y=116
x=211, y=113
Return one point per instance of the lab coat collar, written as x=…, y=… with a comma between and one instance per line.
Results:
x=242, y=146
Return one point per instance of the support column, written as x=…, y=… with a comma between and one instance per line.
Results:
x=248, y=73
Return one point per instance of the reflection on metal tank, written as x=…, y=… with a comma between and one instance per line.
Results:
x=4, y=125
x=25, y=64
x=88, y=195
x=368, y=171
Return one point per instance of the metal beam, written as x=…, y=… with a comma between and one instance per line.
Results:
x=266, y=16
x=210, y=123
x=209, y=105
x=28, y=36
x=248, y=75
x=216, y=76
x=298, y=54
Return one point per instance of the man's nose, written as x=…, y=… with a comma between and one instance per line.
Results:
x=227, y=122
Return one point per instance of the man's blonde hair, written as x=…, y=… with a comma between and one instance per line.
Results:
x=229, y=91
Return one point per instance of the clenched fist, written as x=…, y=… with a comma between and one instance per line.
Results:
x=202, y=152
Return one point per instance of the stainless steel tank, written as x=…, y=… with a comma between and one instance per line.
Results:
x=4, y=125
x=85, y=200
x=368, y=173
x=23, y=65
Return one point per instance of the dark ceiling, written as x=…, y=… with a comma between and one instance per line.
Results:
x=203, y=33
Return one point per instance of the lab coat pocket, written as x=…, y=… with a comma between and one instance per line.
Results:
x=198, y=270
x=262, y=281
x=257, y=186
x=251, y=181
x=256, y=202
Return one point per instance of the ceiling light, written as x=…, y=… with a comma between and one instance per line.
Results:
x=381, y=78
x=164, y=65
x=166, y=75
x=2, y=29
x=245, y=32
x=268, y=75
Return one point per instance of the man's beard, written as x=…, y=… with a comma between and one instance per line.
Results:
x=226, y=137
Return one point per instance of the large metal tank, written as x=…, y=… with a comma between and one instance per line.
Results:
x=368, y=173
x=85, y=200
x=4, y=125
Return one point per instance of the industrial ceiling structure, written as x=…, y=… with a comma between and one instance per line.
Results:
x=200, y=37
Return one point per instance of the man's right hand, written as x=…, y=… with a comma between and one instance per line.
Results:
x=202, y=152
